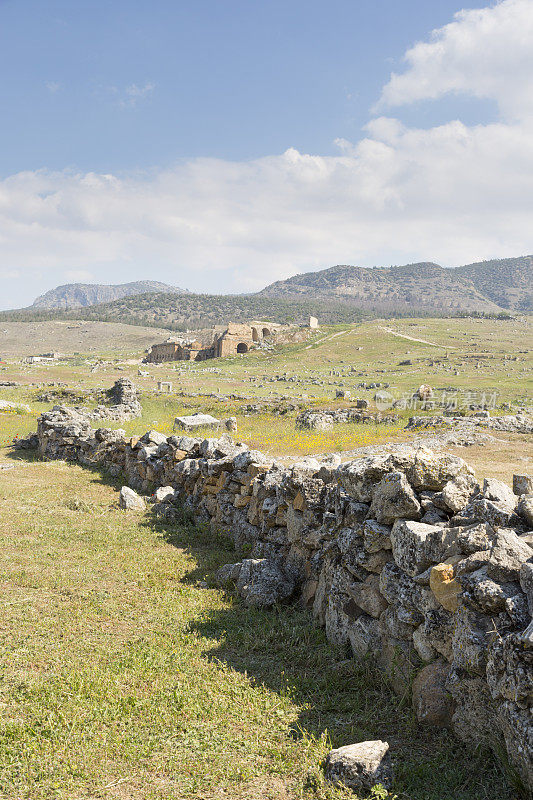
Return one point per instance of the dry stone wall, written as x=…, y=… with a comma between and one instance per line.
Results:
x=402, y=557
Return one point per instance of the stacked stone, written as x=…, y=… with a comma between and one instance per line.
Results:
x=403, y=557
x=511, y=423
x=125, y=403
x=325, y=418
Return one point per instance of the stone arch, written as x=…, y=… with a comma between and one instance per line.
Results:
x=266, y=332
x=255, y=335
x=242, y=347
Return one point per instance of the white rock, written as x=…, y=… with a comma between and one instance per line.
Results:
x=130, y=500
x=359, y=766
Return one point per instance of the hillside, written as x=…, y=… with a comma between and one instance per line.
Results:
x=507, y=281
x=339, y=294
x=80, y=295
x=193, y=311
x=487, y=287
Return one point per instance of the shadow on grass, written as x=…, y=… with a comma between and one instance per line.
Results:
x=284, y=650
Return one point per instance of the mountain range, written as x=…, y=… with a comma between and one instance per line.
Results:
x=486, y=286
x=80, y=295
x=338, y=294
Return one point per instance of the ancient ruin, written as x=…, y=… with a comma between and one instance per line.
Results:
x=403, y=557
x=238, y=338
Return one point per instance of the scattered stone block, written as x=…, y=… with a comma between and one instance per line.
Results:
x=192, y=422
x=360, y=766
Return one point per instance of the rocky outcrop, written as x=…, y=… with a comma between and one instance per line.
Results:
x=78, y=295
x=401, y=556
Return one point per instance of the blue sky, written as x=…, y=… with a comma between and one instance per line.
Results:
x=224, y=78
x=233, y=122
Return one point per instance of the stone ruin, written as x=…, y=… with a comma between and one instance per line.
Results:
x=510, y=423
x=119, y=403
x=124, y=403
x=403, y=557
x=238, y=338
x=324, y=419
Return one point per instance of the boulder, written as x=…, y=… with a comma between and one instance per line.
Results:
x=360, y=766
x=130, y=500
x=163, y=494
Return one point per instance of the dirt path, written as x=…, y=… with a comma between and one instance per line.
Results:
x=412, y=339
x=327, y=339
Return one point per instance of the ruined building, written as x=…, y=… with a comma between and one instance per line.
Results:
x=237, y=338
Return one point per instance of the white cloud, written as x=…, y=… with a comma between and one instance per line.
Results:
x=452, y=193
x=484, y=53
x=53, y=86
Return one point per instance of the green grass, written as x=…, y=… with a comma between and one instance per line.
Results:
x=124, y=675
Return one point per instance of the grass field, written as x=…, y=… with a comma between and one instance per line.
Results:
x=124, y=675
x=478, y=358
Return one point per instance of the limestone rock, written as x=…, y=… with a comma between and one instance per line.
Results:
x=262, y=582
x=508, y=554
x=163, y=494
x=526, y=582
x=367, y=596
x=415, y=545
x=525, y=508
x=432, y=702
x=473, y=538
x=444, y=585
x=193, y=421
x=499, y=492
x=360, y=766
x=456, y=493
x=393, y=499
x=130, y=500
x=429, y=470
x=522, y=484
x=422, y=645
x=364, y=636
x=375, y=536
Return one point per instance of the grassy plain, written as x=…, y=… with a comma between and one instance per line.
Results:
x=488, y=359
x=125, y=676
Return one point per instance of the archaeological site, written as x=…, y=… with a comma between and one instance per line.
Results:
x=266, y=400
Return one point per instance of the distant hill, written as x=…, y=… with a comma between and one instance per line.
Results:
x=339, y=294
x=80, y=295
x=488, y=286
x=507, y=281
